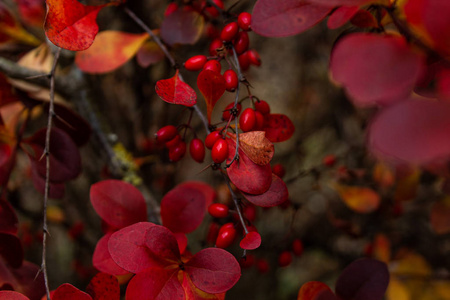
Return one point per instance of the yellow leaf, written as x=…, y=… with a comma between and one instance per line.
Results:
x=397, y=290
x=359, y=199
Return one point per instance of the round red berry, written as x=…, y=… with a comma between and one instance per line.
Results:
x=241, y=43
x=227, y=111
x=247, y=261
x=173, y=142
x=218, y=210
x=219, y=151
x=212, y=10
x=195, y=63
x=297, y=247
x=197, y=150
x=250, y=212
x=212, y=138
x=166, y=133
x=231, y=80
x=278, y=170
x=244, y=20
x=262, y=265
x=259, y=125
x=215, y=44
x=226, y=236
x=247, y=120
x=229, y=32
x=213, y=65
x=170, y=8
x=263, y=107
x=244, y=61
x=285, y=259
x=176, y=153
x=253, y=57
x=213, y=231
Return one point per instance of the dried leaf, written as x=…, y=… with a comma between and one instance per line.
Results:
x=257, y=147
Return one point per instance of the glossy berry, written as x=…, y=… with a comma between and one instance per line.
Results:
x=195, y=63
x=278, y=170
x=213, y=65
x=218, y=210
x=215, y=44
x=197, y=150
x=263, y=107
x=231, y=80
x=226, y=236
x=259, y=125
x=253, y=57
x=241, y=43
x=219, y=151
x=229, y=32
x=176, y=153
x=244, y=61
x=227, y=111
x=173, y=142
x=212, y=138
x=285, y=259
x=262, y=266
x=170, y=8
x=297, y=247
x=166, y=133
x=244, y=20
x=247, y=120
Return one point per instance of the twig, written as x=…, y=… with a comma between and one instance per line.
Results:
x=51, y=112
x=236, y=203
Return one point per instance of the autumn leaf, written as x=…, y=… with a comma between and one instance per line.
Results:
x=359, y=199
x=212, y=86
x=176, y=91
x=257, y=147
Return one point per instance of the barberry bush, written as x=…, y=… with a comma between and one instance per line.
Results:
x=212, y=149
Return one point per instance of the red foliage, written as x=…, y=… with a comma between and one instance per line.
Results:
x=175, y=91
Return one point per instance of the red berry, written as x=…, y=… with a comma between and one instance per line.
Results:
x=244, y=20
x=173, y=142
x=213, y=231
x=247, y=261
x=241, y=43
x=226, y=112
x=219, y=151
x=259, y=125
x=244, y=61
x=176, y=153
x=231, y=80
x=263, y=107
x=213, y=65
x=250, y=212
x=212, y=10
x=166, y=133
x=195, y=63
x=253, y=57
x=229, y=32
x=226, y=236
x=329, y=160
x=262, y=265
x=218, y=210
x=212, y=138
x=285, y=259
x=278, y=170
x=197, y=150
x=170, y=8
x=297, y=247
x=247, y=120
x=215, y=44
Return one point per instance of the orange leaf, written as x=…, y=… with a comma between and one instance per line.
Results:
x=110, y=50
x=311, y=289
x=382, y=248
x=212, y=86
x=175, y=91
x=10, y=29
x=359, y=199
x=257, y=147
x=70, y=24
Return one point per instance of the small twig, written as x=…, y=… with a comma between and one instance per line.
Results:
x=51, y=112
x=236, y=203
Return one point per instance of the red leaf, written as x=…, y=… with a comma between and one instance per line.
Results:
x=8, y=218
x=23, y=279
x=128, y=248
x=11, y=295
x=56, y=189
x=11, y=249
x=70, y=24
x=7, y=160
x=118, y=203
x=175, y=91
x=341, y=16
x=286, y=17
x=163, y=244
x=65, y=160
x=182, y=27
x=32, y=11
x=149, y=54
x=183, y=208
x=278, y=128
x=311, y=289
x=213, y=270
x=246, y=175
x=344, y=2
x=364, y=279
x=275, y=195
x=104, y=287
x=102, y=260
x=110, y=50
x=72, y=123
x=212, y=86
x=251, y=241
x=194, y=293
x=182, y=241
x=413, y=131
x=155, y=283
x=66, y=291
x=375, y=69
